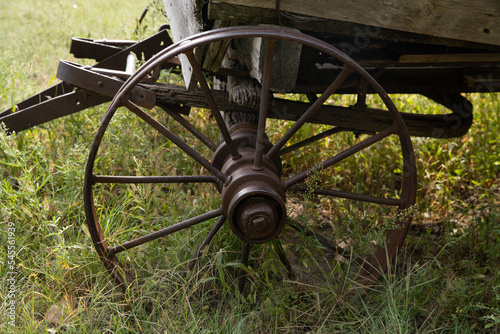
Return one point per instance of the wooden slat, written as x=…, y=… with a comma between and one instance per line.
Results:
x=216, y=51
x=475, y=21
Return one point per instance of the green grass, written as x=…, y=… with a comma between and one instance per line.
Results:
x=445, y=280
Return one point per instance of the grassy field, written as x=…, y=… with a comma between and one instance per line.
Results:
x=445, y=280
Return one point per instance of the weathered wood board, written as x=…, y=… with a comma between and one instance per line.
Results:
x=366, y=121
x=185, y=19
x=285, y=65
x=474, y=21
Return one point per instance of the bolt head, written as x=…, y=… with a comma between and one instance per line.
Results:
x=257, y=219
x=260, y=223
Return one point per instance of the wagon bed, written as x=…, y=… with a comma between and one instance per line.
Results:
x=430, y=48
x=424, y=47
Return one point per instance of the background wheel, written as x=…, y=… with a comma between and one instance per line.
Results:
x=323, y=202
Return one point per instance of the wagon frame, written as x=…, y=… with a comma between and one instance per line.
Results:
x=256, y=54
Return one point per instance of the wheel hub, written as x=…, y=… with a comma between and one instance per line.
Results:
x=254, y=199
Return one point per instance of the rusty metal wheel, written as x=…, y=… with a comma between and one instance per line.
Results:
x=337, y=198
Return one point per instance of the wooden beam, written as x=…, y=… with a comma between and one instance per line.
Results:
x=476, y=59
x=367, y=121
x=475, y=21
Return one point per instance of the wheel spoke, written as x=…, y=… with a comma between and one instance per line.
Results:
x=311, y=140
x=163, y=232
x=176, y=140
x=188, y=126
x=312, y=97
x=327, y=243
x=207, y=241
x=264, y=103
x=245, y=253
x=154, y=179
x=198, y=71
x=282, y=256
x=311, y=111
x=341, y=156
x=349, y=195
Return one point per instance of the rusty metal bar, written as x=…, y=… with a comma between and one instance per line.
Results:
x=311, y=140
x=48, y=94
x=349, y=195
x=144, y=50
x=176, y=140
x=163, y=232
x=283, y=258
x=207, y=241
x=321, y=239
x=245, y=253
x=154, y=179
x=341, y=156
x=264, y=103
x=188, y=126
x=311, y=111
x=50, y=109
x=62, y=99
x=92, y=49
x=213, y=105
x=84, y=77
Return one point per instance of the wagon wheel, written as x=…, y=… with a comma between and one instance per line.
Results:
x=260, y=178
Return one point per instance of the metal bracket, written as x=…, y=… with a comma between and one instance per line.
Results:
x=84, y=77
x=84, y=87
x=57, y=101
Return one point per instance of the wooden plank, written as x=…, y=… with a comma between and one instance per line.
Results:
x=245, y=15
x=185, y=18
x=475, y=21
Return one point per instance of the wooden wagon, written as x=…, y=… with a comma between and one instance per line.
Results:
x=257, y=65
